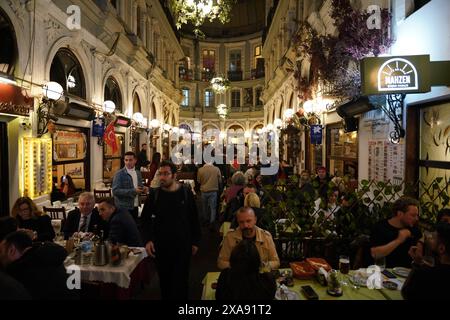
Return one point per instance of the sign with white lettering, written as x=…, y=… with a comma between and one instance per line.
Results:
x=406, y=74
x=13, y=101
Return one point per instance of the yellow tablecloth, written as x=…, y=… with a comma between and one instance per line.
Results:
x=349, y=292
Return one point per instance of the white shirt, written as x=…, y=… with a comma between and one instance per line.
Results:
x=133, y=174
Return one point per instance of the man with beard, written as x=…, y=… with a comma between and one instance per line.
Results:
x=172, y=232
x=392, y=238
x=432, y=283
x=246, y=220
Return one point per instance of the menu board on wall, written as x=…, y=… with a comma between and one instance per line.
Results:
x=386, y=161
x=36, y=167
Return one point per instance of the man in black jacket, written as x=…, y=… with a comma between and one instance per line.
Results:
x=39, y=266
x=425, y=283
x=121, y=226
x=142, y=159
x=85, y=218
x=172, y=232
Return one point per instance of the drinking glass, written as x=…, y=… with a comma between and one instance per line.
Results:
x=380, y=261
x=344, y=264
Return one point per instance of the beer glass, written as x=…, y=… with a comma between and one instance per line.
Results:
x=380, y=261
x=344, y=264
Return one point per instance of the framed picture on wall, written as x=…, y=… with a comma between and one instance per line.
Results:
x=66, y=151
x=75, y=170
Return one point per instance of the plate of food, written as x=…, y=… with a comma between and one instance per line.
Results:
x=401, y=272
x=359, y=278
x=317, y=263
x=302, y=270
x=286, y=294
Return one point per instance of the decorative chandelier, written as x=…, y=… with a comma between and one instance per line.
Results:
x=222, y=110
x=220, y=85
x=197, y=11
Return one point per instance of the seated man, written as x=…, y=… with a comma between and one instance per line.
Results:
x=121, y=228
x=432, y=283
x=85, y=218
x=392, y=238
x=246, y=220
x=39, y=266
x=243, y=281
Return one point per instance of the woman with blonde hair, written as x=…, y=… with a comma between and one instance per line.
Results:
x=251, y=200
x=32, y=220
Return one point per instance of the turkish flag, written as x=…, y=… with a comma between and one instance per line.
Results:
x=110, y=137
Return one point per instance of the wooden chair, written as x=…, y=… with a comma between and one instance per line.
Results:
x=98, y=194
x=55, y=213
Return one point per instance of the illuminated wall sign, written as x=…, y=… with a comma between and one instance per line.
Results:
x=406, y=74
x=397, y=75
x=122, y=121
x=12, y=100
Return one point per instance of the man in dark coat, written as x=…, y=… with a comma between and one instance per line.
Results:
x=85, y=218
x=172, y=232
x=121, y=226
x=39, y=266
x=142, y=159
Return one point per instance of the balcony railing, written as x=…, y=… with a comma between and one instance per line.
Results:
x=257, y=73
x=186, y=74
x=235, y=75
x=207, y=75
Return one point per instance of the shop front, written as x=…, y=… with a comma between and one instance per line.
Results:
x=71, y=161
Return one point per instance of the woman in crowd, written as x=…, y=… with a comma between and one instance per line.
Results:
x=67, y=186
x=154, y=166
x=32, y=220
x=243, y=281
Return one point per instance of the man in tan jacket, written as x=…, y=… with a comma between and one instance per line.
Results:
x=246, y=220
x=209, y=177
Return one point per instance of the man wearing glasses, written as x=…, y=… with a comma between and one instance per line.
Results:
x=171, y=232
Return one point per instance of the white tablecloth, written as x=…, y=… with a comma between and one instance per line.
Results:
x=120, y=275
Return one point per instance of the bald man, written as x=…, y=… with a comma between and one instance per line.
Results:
x=247, y=229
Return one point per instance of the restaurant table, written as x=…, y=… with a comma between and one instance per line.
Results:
x=115, y=282
x=349, y=292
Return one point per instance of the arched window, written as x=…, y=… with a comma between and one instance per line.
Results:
x=136, y=103
x=67, y=71
x=112, y=92
x=8, y=49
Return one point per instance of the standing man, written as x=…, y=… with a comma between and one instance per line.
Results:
x=246, y=220
x=171, y=231
x=142, y=159
x=127, y=185
x=85, y=218
x=209, y=178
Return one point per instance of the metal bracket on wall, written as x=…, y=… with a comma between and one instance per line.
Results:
x=394, y=110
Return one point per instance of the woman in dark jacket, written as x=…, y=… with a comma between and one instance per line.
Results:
x=30, y=218
x=243, y=281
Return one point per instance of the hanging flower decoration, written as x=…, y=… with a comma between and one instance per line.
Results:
x=220, y=85
x=197, y=11
x=222, y=110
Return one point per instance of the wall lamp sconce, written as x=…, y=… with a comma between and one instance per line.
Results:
x=109, y=106
x=137, y=123
x=52, y=92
